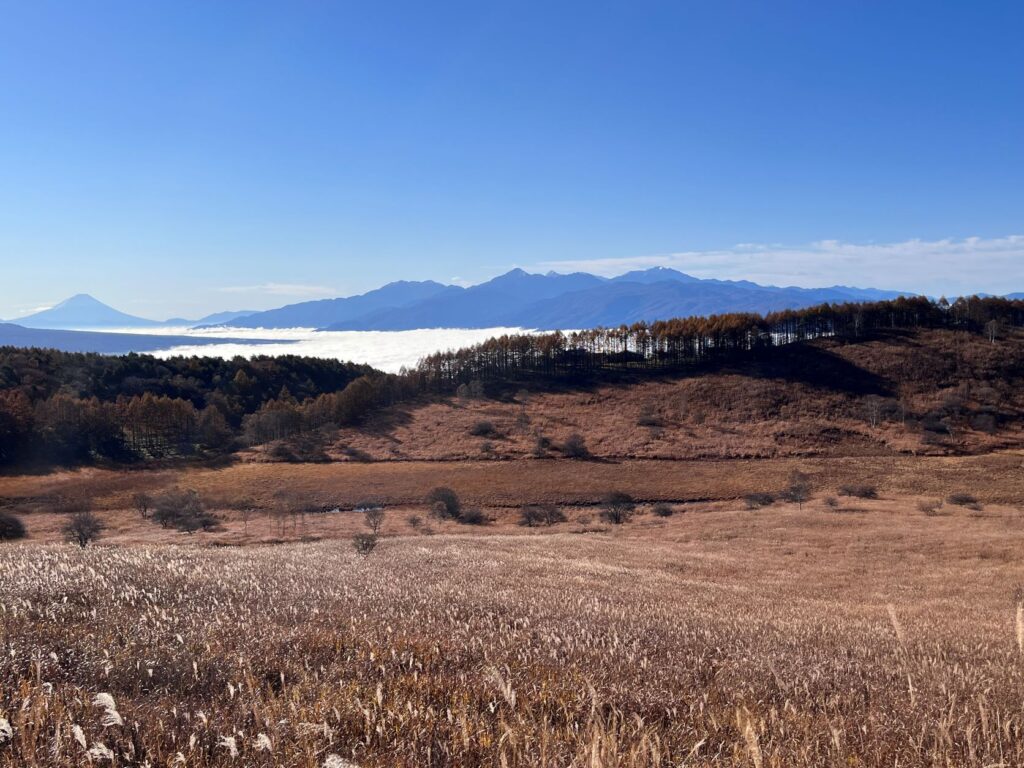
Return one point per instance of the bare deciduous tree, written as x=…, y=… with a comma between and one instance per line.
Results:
x=617, y=507
x=142, y=502
x=82, y=528
x=374, y=519
x=873, y=410
x=799, y=488
x=246, y=508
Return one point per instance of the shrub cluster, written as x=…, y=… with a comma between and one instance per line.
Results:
x=964, y=500
x=444, y=503
x=534, y=515
x=575, y=447
x=859, y=490
x=483, y=429
x=11, y=527
x=758, y=499
x=182, y=510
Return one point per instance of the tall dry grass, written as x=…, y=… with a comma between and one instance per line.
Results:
x=788, y=639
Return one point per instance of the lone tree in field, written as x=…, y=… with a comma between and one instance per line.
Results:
x=483, y=429
x=142, y=502
x=799, y=488
x=82, y=528
x=445, y=503
x=374, y=519
x=617, y=507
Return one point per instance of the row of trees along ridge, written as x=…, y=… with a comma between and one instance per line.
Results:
x=60, y=407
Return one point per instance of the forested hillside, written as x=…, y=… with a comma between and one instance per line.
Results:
x=74, y=408
x=59, y=407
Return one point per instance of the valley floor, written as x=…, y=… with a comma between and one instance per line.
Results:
x=303, y=501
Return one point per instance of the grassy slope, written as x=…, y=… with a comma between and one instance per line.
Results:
x=805, y=400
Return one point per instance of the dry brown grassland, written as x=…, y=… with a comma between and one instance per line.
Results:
x=868, y=635
x=839, y=632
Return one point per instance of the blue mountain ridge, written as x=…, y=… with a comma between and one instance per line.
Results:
x=515, y=299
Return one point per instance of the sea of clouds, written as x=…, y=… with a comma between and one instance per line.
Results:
x=385, y=350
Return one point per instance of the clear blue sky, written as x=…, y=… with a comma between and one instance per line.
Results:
x=183, y=157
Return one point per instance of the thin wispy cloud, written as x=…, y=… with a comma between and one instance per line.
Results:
x=282, y=289
x=950, y=266
x=24, y=310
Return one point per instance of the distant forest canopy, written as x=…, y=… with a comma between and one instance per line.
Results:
x=70, y=408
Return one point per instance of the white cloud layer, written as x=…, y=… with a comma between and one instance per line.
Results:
x=386, y=350
x=952, y=266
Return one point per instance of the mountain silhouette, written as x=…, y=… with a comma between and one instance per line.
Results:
x=515, y=299
x=83, y=311
x=580, y=300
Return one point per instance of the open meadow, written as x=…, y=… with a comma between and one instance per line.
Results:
x=870, y=633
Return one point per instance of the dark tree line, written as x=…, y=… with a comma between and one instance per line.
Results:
x=237, y=386
x=681, y=342
x=69, y=408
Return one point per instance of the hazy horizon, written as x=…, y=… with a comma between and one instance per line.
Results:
x=616, y=272
x=609, y=270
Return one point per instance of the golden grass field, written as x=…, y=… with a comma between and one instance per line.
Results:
x=872, y=635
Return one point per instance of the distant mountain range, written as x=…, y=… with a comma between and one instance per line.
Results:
x=547, y=302
x=515, y=299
